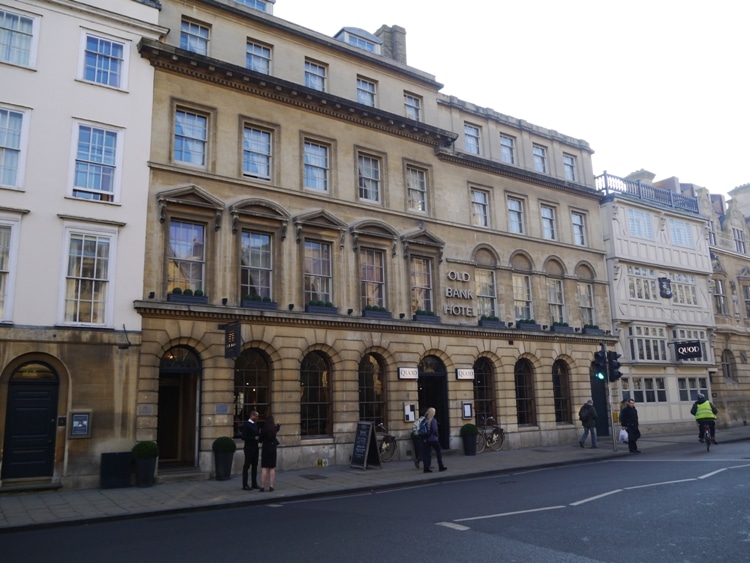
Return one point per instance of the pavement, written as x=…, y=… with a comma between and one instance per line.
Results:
x=33, y=510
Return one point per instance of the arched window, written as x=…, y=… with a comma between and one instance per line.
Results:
x=484, y=391
x=372, y=404
x=561, y=392
x=728, y=364
x=252, y=387
x=316, y=410
x=525, y=404
x=180, y=359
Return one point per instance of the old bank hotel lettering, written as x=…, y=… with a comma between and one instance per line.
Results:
x=459, y=290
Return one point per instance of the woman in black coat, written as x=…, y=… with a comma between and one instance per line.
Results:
x=629, y=421
x=268, y=443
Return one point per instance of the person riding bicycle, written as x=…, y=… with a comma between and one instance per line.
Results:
x=705, y=413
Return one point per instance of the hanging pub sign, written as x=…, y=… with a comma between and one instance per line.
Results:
x=232, y=339
x=688, y=350
x=665, y=288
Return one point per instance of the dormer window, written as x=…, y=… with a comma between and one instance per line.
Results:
x=260, y=5
x=359, y=38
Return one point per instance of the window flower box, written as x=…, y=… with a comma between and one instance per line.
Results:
x=491, y=323
x=424, y=318
x=561, y=328
x=594, y=331
x=528, y=326
x=255, y=304
x=321, y=310
x=373, y=314
x=187, y=299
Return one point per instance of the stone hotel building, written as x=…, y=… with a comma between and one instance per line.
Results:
x=383, y=247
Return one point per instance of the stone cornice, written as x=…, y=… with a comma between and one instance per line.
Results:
x=515, y=173
x=171, y=59
x=224, y=315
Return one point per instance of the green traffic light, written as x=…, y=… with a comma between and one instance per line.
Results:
x=600, y=375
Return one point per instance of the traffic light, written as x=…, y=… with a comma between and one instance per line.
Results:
x=614, y=365
x=600, y=364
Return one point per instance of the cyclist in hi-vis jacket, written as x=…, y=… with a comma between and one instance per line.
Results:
x=705, y=412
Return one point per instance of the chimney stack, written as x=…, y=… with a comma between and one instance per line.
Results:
x=394, y=42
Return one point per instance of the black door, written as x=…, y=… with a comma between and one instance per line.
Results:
x=30, y=423
x=433, y=392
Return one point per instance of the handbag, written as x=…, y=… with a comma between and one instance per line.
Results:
x=623, y=435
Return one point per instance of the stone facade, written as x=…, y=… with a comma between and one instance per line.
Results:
x=426, y=195
x=730, y=287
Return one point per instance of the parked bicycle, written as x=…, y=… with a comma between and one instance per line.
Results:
x=388, y=445
x=490, y=436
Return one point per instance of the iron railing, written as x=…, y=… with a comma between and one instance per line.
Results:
x=609, y=184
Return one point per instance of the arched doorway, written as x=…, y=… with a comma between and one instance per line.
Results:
x=433, y=392
x=177, y=430
x=31, y=422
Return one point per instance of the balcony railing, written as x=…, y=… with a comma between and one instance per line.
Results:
x=610, y=184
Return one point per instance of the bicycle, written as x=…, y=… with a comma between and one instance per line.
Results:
x=388, y=445
x=491, y=435
x=706, y=434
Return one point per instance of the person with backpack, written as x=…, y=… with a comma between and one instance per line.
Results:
x=417, y=441
x=428, y=431
x=587, y=416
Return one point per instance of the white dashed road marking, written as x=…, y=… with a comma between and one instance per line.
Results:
x=508, y=513
x=597, y=497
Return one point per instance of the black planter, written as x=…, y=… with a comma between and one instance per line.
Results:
x=470, y=444
x=223, y=462
x=320, y=310
x=558, y=328
x=529, y=326
x=116, y=468
x=596, y=331
x=264, y=305
x=426, y=318
x=187, y=299
x=144, y=471
x=386, y=315
x=488, y=323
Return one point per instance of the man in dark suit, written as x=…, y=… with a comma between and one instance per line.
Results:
x=250, y=436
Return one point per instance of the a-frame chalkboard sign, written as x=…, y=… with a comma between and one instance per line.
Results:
x=365, y=452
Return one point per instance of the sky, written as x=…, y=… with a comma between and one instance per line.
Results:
x=660, y=85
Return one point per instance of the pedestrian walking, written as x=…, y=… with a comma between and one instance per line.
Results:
x=432, y=442
x=629, y=421
x=416, y=441
x=250, y=434
x=269, y=442
x=587, y=416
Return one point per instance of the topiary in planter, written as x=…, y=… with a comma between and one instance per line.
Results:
x=146, y=449
x=144, y=457
x=224, y=444
x=469, y=429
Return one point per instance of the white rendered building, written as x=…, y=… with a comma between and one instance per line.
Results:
x=75, y=134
